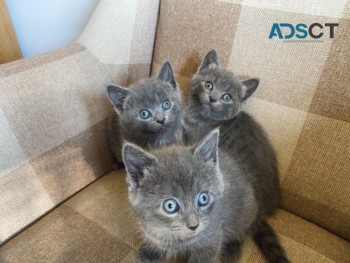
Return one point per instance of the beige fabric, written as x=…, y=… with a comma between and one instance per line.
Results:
x=98, y=225
x=121, y=35
x=53, y=111
x=186, y=30
x=303, y=100
x=52, y=116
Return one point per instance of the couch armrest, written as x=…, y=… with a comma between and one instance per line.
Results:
x=53, y=111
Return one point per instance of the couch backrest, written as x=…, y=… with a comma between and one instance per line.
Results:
x=121, y=35
x=303, y=100
x=54, y=108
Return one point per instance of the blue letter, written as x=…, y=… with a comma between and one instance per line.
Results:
x=302, y=29
x=275, y=31
x=292, y=30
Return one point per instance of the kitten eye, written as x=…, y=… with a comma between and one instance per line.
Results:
x=203, y=199
x=226, y=97
x=166, y=105
x=208, y=85
x=170, y=206
x=145, y=114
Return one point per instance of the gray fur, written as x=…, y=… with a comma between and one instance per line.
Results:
x=184, y=172
x=163, y=128
x=241, y=137
x=207, y=108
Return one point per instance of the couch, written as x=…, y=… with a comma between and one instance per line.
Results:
x=60, y=198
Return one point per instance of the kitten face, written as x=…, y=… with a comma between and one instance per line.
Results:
x=151, y=106
x=174, y=192
x=216, y=93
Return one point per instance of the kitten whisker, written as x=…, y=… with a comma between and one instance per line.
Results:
x=170, y=119
x=204, y=98
x=217, y=106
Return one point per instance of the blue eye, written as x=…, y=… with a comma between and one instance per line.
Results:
x=145, y=114
x=203, y=199
x=166, y=105
x=208, y=85
x=226, y=97
x=170, y=206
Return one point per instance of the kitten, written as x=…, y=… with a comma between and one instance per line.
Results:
x=216, y=100
x=148, y=113
x=196, y=204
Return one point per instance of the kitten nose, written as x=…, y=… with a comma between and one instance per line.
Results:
x=193, y=228
x=161, y=120
x=192, y=221
x=211, y=99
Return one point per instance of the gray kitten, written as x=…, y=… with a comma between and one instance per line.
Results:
x=148, y=113
x=196, y=204
x=216, y=100
x=216, y=96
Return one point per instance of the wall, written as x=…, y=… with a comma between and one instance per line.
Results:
x=43, y=25
x=9, y=49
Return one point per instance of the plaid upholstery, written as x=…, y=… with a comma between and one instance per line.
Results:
x=98, y=225
x=123, y=37
x=53, y=112
x=303, y=100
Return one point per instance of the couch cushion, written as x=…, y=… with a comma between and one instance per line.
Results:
x=98, y=225
x=303, y=100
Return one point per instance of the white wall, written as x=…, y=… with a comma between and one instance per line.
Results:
x=45, y=25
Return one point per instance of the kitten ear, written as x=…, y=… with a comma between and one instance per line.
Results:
x=117, y=96
x=166, y=74
x=211, y=59
x=136, y=160
x=249, y=87
x=207, y=150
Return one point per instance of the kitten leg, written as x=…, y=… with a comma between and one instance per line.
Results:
x=231, y=251
x=150, y=254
